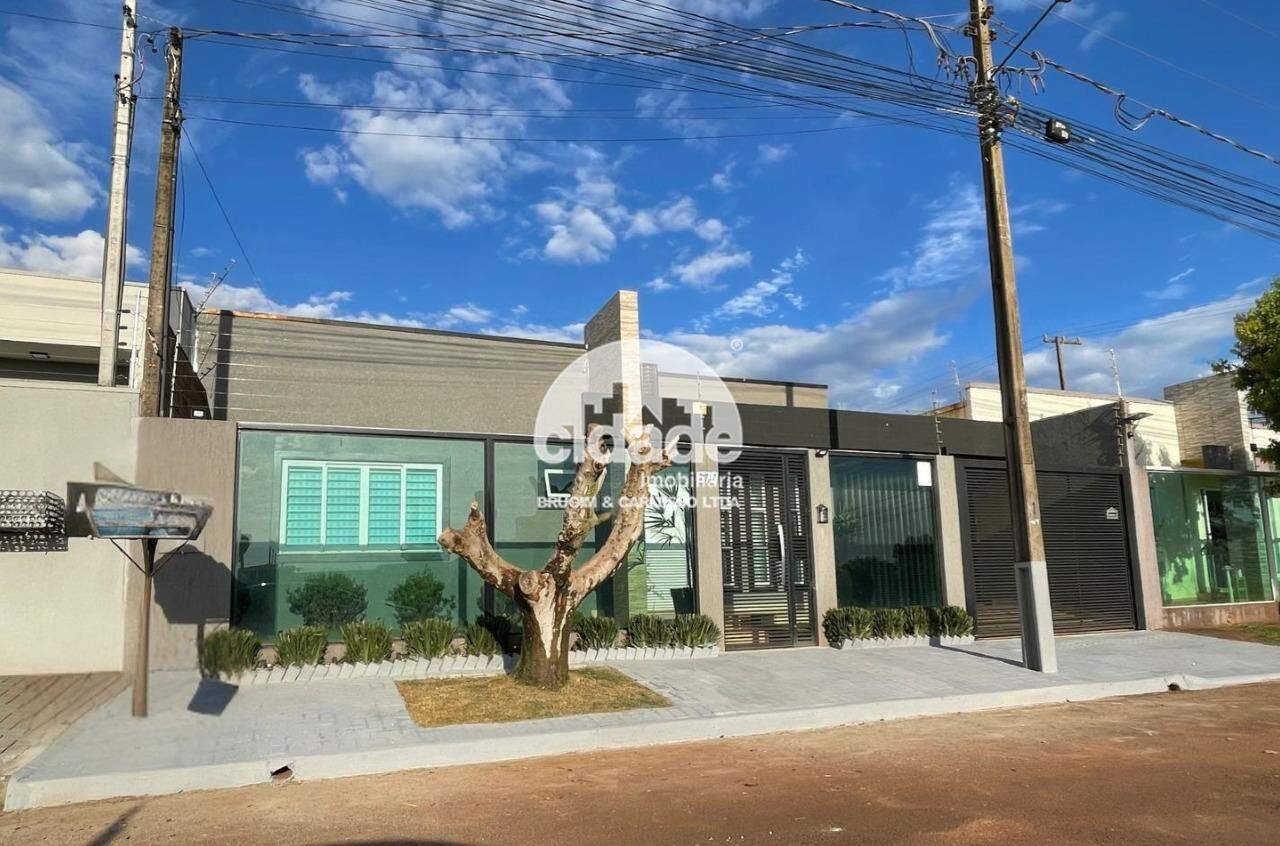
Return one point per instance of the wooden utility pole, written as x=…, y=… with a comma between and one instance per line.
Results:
x=1038, y=650
x=113, y=254
x=1058, y=341
x=156, y=342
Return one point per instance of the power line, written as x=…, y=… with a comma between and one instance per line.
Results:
x=221, y=208
x=522, y=138
x=1241, y=18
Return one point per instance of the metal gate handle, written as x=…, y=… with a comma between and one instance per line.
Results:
x=782, y=545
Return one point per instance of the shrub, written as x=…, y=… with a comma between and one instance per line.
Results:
x=419, y=597
x=595, y=632
x=368, y=641
x=648, y=630
x=301, y=646
x=480, y=641
x=500, y=626
x=955, y=622
x=694, y=630
x=228, y=651
x=328, y=599
x=918, y=621
x=835, y=625
x=890, y=622
x=431, y=638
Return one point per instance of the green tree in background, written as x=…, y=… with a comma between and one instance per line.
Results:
x=1258, y=371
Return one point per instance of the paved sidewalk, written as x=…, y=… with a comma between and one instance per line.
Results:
x=209, y=735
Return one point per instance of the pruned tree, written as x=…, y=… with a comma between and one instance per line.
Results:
x=547, y=598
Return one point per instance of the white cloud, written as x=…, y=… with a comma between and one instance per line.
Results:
x=454, y=164
x=704, y=270
x=64, y=255
x=584, y=237
x=1174, y=289
x=658, y=284
x=767, y=154
x=948, y=248
x=40, y=175
x=761, y=299
x=859, y=357
x=722, y=179
x=1151, y=353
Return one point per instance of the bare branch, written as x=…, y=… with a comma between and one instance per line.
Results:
x=579, y=513
x=628, y=521
x=471, y=543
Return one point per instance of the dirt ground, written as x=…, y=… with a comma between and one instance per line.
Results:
x=1171, y=768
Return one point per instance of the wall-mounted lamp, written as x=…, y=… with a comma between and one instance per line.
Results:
x=824, y=514
x=821, y=453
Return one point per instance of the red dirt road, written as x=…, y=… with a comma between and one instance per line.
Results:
x=1171, y=768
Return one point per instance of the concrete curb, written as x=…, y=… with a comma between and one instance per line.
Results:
x=453, y=665
x=531, y=740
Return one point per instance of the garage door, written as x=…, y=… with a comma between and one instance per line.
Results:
x=1086, y=547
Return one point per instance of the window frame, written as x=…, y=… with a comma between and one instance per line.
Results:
x=362, y=546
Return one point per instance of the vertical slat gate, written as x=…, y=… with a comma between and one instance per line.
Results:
x=766, y=554
x=1086, y=551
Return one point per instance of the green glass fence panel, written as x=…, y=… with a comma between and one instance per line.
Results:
x=1210, y=542
x=384, y=506
x=659, y=572
x=885, y=537
x=282, y=471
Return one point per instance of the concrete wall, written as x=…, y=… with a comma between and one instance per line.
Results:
x=710, y=569
x=1212, y=616
x=192, y=595
x=824, y=541
x=950, y=534
x=1146, y=561
x=62, y=612
x=294, y=371
x=1157, y=435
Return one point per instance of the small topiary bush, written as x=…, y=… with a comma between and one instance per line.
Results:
x=302, y=646
x=595, y=632
x=328, y=599
x=954, y=621
x=694, y=630
x=480, y=641
x=648, y=630
x=368, y=642
x=890, y=622
x=419, y=597
x=432, y=638
x=917, y=621
x=228, y=651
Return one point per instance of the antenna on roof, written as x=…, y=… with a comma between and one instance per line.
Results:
x=1115, y=372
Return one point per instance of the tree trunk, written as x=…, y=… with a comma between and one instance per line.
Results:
x=544, y=646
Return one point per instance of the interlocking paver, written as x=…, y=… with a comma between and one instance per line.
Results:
x=365, y=716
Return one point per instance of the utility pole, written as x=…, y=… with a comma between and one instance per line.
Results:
x=113, y=254
x=1058, y=341
x=156, y=341
x=1038, y=649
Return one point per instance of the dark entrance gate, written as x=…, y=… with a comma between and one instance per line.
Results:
x=766, y=551
x=1086, y=550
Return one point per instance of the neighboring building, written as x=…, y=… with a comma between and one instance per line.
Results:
x=1156, y=433
x=331, y=447
x=1216, y=429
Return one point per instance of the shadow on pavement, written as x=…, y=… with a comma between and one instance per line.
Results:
x=211, y=697
x=1010, y=661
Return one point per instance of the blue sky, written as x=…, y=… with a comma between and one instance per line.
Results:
x=854, y=257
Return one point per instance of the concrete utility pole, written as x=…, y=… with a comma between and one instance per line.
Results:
x=156, y=342
x=113, y=258
x=1058, y=341
x=1038, y=649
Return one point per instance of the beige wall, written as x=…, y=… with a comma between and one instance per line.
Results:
x=62, y=612
x=1212, y=412
x=1157, y=434
x=196, y=458
x=824, y=542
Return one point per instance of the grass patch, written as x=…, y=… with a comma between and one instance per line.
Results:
x=1268, y=633
x=501, y=699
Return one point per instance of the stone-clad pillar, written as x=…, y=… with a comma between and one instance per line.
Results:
x=824, y=544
